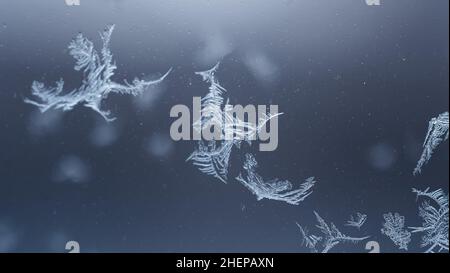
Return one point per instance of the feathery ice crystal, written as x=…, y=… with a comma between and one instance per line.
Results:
x=212, y=156
x=331, y=236
x=435, y=220
x=97, y=84
x=357, y=221
x=275, y=189
x=437, y=132
x=394, y=228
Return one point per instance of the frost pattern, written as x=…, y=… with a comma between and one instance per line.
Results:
x=394, y=228
x=435, y=220
x=97, y=84
x=310, y=241
x=437, y=128
x=212, y=157
x=211, y=112
x=357, y=221
x=331, y=236
x=275, y=189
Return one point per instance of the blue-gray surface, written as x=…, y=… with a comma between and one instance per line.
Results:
x=357, y=85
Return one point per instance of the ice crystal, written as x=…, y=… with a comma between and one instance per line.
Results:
x=310, y=241
x=275, y=189
x=437, y=132
x=97, y=84
x=331, y=236
x=212, y=103
x=212, y=156
x=212, y=159
x=394, y=228
x=357, y=221
x=435, y=220
x=215, y=112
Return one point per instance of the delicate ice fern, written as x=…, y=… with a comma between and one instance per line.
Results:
x=435, y=220
x=310, y=241
x=437, y=132
x=275, y=189
x=238, y=130
x=211, y=157
x=357, y=221
x=331, y=236
x=97, y=84
x=212, y=103
x=394, y=228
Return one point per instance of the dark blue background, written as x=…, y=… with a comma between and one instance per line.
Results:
x=353, y=81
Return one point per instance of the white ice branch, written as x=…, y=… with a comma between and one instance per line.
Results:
x=97, y=84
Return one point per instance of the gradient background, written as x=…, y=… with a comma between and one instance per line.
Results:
x=358, y=85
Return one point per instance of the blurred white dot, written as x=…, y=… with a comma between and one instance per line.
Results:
x=57, y=241
x=72, y=169
x=160, y=145
x=382, y=156
x=103, y=134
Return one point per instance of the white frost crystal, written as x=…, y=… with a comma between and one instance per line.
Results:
x=435, y=220
x=97, y=84
x=437, y=132
x=275, y=189
x=394, y=228
x=357, y=221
